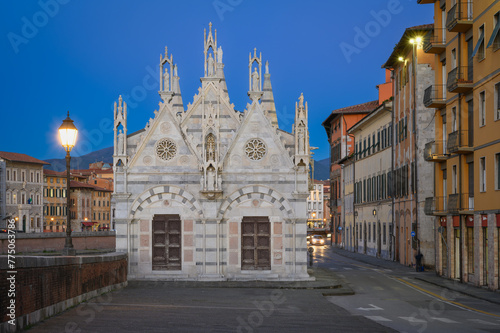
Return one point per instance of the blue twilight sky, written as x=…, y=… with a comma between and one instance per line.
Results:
x=77, y=55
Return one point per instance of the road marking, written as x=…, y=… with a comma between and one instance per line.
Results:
x=445, y=299
x=348, y=268
x=480, y=321
x=413, y=320
x=377, y=318
x=372, y=308
x=387, y=270
x=445, y=320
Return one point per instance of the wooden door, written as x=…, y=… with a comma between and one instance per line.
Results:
x=166, y=242
x=255, y=243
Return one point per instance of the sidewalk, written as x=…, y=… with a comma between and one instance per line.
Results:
x=323, y=279
x=427, y=276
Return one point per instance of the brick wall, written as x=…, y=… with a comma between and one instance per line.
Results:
x=43, y=282
x=54, y=241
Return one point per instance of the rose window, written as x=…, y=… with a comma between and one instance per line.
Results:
x=166, y=149
x=255, y=149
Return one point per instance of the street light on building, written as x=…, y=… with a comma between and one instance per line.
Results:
x=68, y=134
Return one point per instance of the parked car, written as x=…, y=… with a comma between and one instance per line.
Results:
x=317, y=240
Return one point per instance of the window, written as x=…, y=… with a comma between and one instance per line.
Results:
x=454, y=180
x=482, y=174
x=8, y=198
x=384, y=237
x=497, y=173
x=482, y=109
x=378, y=141
x=22, y=176
x=368, y=146
x=497, y=101
x=479, y=49
x=495, y=36
x=364, y=147
x=453, y=59
x=453, y=119
x=8, y=174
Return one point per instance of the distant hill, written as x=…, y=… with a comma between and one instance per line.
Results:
x=82, y=162
x=322, y=169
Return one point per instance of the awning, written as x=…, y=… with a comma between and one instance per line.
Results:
x=494, y=34
x=88, y=224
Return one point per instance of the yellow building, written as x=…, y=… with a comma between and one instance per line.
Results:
x=101, y=198
x=54, y=201
x=465, y=43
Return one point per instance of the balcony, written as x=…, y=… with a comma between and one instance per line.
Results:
x=435, y=151
x=435, y=42
x=460, y=80
x=425, y=1
x=435, y=206
x=458, y=142
x=459, y=17
x=461, y=203
x=435, y=96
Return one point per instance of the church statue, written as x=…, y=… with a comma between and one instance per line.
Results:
x=166, y=81
x=219, y=55
x=120, y=142
x=210, y=65
x=255, y=80
x=210, y=179
x=219, y=182
x=301, y=101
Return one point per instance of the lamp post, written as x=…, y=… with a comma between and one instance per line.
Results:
x=68, y=134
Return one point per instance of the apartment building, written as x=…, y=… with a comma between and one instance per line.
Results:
x=373, y=223
x=54, y=201
x=465, y=153
x=341, y=146
x=21, y=191
x=413, y=123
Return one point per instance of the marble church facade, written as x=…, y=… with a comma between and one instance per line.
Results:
x=206, y=192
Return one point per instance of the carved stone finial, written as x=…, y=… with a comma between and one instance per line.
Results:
x=267, y=67
x=166, y=51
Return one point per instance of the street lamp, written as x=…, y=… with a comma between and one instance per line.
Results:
x=68, y=134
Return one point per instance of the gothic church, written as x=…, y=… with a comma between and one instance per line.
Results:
x=210, y=193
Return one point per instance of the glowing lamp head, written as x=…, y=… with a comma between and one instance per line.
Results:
x=401, y=59
x=68, y=134
x=418, y=40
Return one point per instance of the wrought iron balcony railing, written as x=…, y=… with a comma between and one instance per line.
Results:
x=435, y=41
x=435, y=151
x=459, y=142
x=435, y=96
x=460, y=79
x=460, y=17
x=460, y=203
x=435, y=206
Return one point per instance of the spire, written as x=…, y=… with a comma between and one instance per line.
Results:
x=268, y=99
x=177, y=105
x=210, y=52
